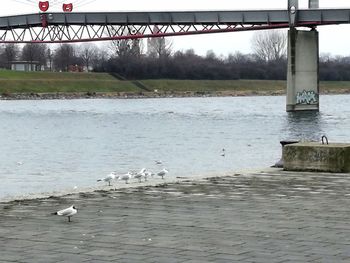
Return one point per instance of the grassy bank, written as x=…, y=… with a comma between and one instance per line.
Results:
x=239, y=86
x=12, y=82
x=52, y=82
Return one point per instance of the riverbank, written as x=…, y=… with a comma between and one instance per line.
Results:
x=132, y=95
x=144, y=95
x=158, y=94
x=55, y=85
x=263, y=216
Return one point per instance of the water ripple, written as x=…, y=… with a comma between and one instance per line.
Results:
x=63, y=144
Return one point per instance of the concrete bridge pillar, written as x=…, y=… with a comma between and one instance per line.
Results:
x=303, y=68
x=293, y=6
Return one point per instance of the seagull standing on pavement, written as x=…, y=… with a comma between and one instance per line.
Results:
x=108, y=178
x=125, y=177
x=147, y=174
x=162, y=173
x=141, y=174
x=70, y=211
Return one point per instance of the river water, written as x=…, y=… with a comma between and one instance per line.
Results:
x=56, y=145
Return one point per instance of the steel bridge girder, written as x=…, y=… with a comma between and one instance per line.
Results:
x=81, y=27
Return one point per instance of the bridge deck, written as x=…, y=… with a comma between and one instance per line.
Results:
x=321, y=16
x=80, y=27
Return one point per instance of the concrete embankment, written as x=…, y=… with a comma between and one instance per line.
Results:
x=263, y=216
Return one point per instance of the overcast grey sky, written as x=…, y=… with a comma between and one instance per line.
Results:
x=333, y=39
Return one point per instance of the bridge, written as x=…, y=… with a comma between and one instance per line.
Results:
x=303, y=51
x=80, y=27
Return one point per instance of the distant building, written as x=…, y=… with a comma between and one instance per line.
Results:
x=76, y=68
x=25, y=66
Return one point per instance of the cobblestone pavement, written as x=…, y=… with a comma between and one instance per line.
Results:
x=272, y=216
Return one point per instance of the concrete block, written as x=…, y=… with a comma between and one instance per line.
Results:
x=314, y=156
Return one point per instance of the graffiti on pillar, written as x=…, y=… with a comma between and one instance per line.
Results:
x=307, y=97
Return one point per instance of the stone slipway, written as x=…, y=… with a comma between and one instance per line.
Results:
x=270, y=216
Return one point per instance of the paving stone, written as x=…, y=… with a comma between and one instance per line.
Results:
x=267, y=216
x=11, y=258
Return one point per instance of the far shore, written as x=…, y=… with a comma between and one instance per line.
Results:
x=16, y=85
x=145, y=95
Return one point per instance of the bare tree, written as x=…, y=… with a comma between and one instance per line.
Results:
x=8, y=54
x=34, y=53
x=126, y=47
x=211, y=56
x=237, y=58
x=270, y=45
x=49, y=58
x=64, y=57
x=88, y=53
x=100, y=61
x=159, y=47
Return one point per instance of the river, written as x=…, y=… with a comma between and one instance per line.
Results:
x=56, y=145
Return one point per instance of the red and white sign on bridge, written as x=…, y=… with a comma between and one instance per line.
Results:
x=45, y=5
x=53, y=5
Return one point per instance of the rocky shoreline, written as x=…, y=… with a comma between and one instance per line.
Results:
x=144, y=95
x=129, y=95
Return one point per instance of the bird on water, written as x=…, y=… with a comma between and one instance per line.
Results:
x=223, y=153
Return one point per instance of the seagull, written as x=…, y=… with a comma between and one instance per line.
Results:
x=158, y=162
x=125, y=177
x=147, y=173
x=141, y=174
x=70, y=211
x=108, y=178
x=162, y=173
x=223, y=152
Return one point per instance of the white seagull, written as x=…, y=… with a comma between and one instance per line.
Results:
x=162, y=173
x=223, y=153
x=147, y=174
x=158, y=162
x=70, y=211
x=141, y=174
x=108, y=178
x=125, y=177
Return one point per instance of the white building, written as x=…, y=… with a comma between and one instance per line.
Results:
x=25, y=66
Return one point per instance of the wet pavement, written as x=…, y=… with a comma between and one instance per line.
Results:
x=270, y=216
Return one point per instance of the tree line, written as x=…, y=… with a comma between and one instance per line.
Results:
x=132, y=59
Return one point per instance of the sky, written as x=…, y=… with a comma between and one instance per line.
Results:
x=333, y=39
